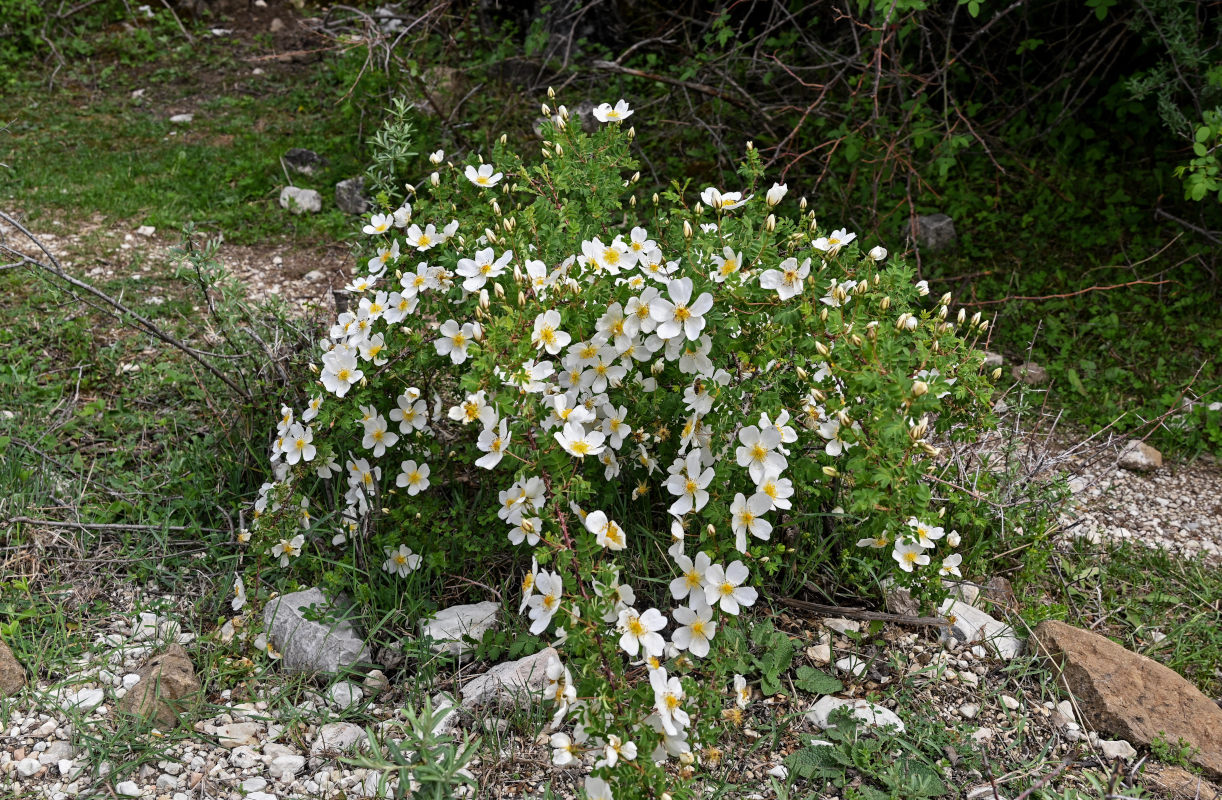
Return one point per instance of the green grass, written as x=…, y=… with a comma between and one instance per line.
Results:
x=89, y=146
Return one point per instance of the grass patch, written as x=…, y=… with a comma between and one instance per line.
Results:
x=100, y=139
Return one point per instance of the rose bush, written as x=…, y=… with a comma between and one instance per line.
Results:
x=657, y=388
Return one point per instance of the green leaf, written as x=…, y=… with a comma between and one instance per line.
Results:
x=817, y=682
x=1076, y=382
x=1203, y=134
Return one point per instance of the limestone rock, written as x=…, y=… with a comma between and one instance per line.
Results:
x=307, y=162
x=1140, y=457
x=167, y=688
x=969, y=625
x=307, y=645
x=1030, y=373
x=512, y=683
x=12, y=675
x=868, y=714
x=335, y=738
x=1117, y=748
x=238, y=734
x=345, y=694
x=449, y=625
x=1131, y=696
x=993, y=360
x=350, y=196
x=300, y=201
x=935, y=232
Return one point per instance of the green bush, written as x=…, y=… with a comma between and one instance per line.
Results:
x=661, y=390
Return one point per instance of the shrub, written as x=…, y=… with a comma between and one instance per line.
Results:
x=634, y=376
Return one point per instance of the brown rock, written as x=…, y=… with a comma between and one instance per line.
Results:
x=1139, y=457
x=167, y=688
x=999, y=596
x=12, y=675
x=1133, y=697
x=1179, y=783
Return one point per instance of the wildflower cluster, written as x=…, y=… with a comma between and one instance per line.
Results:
x=694, y=380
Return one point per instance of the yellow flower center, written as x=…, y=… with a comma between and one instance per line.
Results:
x=692, y=579
x=635, y=627
x=581, y=447
x=698, y=628
x=682, y=314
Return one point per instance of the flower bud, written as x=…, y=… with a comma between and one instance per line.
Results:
x=877, y=253
x=657, y=367
x=819, y=395
x=687, y=229
x=478, y=335
x=997, y=373
x=499, y=289
x=636, y=176
x=776, y=194
x=801, y=372
x=984, y=325
x=942, y=310
x=919, y=388
x=435, y=179
x=561, y=124
x=822, y=348
x=699, y=209
x=802, y=204
x=976, y=319
x=830, y=471
x=935, y=345
x=945, y=299
x=518, y=277
x=770, y=223
x=504, y=138
x=490, y=236
x=844, y=418
x=484, y=303
x=655, y=198
x=823, y=314
x=632, y=133
x=551, y=93
x=840, y=294
x=559, y=149
x=711, y=529
x=496, y=208
x=855, y=340
x=886, y=303
x=547, y=111
x=521, y=298
x=961, y=316
x=632, y=201
x=750, y=145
